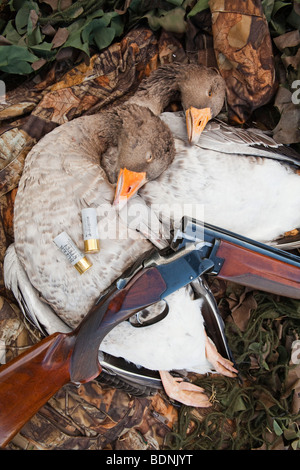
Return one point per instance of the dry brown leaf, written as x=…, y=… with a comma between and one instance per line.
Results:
x=34, y=17
x=283, y=98
x=48, y=30
x=38, y=64
x=287, y=130
x=242, y=313
x=60, y=37
x=293, y=60
x=289, y=39
x=61, y=4
x=293, y=378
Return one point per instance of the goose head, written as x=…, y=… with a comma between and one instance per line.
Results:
x=201, y=91
x=143, y=148
x=202, y=98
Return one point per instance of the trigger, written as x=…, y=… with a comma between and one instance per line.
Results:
x=150, y=315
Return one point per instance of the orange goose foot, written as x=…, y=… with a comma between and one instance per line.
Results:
x=184, y=392
x=190, y=394
x=221, y=365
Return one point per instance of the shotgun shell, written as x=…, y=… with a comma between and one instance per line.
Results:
x=70, y=250
x=90, y=230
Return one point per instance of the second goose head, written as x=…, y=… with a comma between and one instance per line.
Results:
x=201, y=91
x=202, y=98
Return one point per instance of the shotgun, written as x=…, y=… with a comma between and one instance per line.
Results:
x=196, y=250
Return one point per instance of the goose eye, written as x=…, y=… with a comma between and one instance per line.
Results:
x=210, y=93
x=149, y=158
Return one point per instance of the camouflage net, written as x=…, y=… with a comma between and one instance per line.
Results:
x=263, y=411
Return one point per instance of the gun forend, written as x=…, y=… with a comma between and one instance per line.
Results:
x=242, y=260
x=257, y=270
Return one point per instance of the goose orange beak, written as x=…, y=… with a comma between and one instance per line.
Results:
x=129, y=182
x=196, y=120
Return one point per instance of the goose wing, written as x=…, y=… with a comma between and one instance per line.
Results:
x=221, y=138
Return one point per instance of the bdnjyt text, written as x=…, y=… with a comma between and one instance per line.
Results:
x=153, y=459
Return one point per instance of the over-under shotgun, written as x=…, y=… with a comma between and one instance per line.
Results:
x=28, y=381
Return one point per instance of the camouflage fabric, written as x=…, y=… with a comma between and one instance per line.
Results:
x=244, y=54
x=95, y=417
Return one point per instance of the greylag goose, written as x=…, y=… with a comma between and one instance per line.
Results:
x=62, y=175
x=132, y=151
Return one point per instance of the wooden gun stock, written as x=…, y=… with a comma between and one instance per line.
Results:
x=28, y=381
x=257, y=270
x=31, y=379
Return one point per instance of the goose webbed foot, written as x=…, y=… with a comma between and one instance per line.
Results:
x=221, y=365
x=184, y=392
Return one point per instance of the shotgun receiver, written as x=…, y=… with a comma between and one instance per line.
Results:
x=197, y=249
